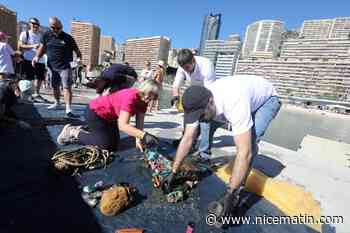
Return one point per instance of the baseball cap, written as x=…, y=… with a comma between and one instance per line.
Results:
x=3, y=36
x=161, y=63
x=34, y=20
x=194, y=101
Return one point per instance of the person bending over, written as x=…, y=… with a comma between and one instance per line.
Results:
x=106, y=115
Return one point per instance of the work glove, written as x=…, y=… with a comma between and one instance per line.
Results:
x=149, y=140
x=167, y=183
x=174, y=100
x=226, y=206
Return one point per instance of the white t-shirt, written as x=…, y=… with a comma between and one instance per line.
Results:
x=33, y=38
x=237, y=97
x=146, y=74
x=6, y=65
x=203, y=74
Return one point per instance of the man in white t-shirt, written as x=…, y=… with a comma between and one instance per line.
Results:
x=29, y=42
x=6, y=53
x=249, y=103
x=200, y=72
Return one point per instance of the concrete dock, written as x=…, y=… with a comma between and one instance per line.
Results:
x=321, y=174
x=322, y=179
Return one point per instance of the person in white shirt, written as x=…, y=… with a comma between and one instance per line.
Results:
x=146, y=72
x=200, y=72
x=29, y=42
x=249, y=103
x=6, y=53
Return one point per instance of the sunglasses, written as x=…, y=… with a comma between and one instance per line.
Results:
x=35, y=24
x=55, y=28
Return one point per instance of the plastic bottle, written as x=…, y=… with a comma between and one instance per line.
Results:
x=190, y=227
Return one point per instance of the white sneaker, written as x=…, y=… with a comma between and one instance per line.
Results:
x=54, y=106
x=67, y=134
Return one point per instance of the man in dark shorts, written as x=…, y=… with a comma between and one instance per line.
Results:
x=29, y=42
x=59, y=47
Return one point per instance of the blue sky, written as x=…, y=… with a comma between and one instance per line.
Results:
x=178, y=19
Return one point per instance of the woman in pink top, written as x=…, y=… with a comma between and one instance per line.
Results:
x=106, y=115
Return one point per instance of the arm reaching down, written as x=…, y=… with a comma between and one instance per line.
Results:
x=185, y=145
x=243, y=159
x=140, y=118
x=39, y=53
x=144, y=138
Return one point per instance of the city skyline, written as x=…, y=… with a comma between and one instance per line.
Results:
x=181, y=21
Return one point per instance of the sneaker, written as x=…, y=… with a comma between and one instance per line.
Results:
x=67, y=134
x=54, y=106
x=201, y=157
x=71, y=115
x=39, y=99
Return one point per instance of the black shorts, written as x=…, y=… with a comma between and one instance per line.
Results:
x=37, y=72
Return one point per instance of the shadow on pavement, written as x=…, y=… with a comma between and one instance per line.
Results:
x=31, y=199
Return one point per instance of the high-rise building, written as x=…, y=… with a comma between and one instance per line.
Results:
x=210, y=30
x=315, y=64
x=119, y=52
x=316, y=29
x=223, y=54
x=316, y=49
x=87, y=36
x=326, y=28
x=317, y=79
x=228, y=56
x=172, y=57
x=151, y=49
x=107, y=49
x=8, y=24
x=340, y=28
x=212, y=49
x=263, y=39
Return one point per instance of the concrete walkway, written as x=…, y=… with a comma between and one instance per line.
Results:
x=329, y=182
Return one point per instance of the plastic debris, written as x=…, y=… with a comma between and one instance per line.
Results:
x=99, y=184
x=130, y=230
x=175, y=196
x=92, y=202
x=89, y=188
x=190, y=227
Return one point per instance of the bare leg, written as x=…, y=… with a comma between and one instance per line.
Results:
x=67, y=92
x=37, y=85
x=56, y=94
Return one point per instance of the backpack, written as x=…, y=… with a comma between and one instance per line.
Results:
x=26, y=41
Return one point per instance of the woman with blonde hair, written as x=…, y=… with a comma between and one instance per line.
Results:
x=106, y=115
x=159, y=77
x=146, y=72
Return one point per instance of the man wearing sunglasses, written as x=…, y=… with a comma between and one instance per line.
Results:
x=249, y=103
x=29, y=42
x=59, y=47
